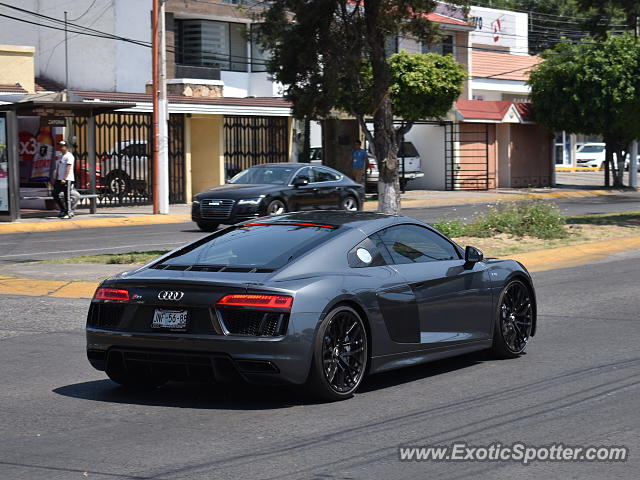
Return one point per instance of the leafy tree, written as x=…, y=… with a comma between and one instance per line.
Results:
x=605, y=13
x=592, y=88
x=322, y=51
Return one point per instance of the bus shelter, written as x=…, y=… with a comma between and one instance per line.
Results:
x=50, y=111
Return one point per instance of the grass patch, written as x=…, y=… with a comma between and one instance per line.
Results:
x=111, y=258
x=538, y=219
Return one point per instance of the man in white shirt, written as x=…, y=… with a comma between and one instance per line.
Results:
x=64, y=179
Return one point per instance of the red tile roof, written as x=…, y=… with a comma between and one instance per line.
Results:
x=9, y=88
x=502, y=66
x=492, y=111
x=439, y=18
x=46, y=85
x=146, y=98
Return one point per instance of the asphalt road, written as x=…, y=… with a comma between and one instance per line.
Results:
x=579, y=384
x=43, y=245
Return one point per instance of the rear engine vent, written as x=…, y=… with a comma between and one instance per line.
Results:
x=211, y=268
x=106, y=314
x=254, y=322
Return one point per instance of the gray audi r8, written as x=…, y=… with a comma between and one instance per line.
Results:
x=318, y=299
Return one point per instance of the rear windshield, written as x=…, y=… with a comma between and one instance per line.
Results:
x=260, y=246
x=263, y=176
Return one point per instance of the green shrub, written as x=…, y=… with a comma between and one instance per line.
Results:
x=532, y=218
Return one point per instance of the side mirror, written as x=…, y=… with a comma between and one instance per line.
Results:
x=472, y=255
x=300, y=182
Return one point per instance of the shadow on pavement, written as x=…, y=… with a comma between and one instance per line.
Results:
x=242, y=396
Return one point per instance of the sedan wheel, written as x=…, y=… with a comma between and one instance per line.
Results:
x=350, y=204
x=276, y=207
x=515, y=320
x=340, y=355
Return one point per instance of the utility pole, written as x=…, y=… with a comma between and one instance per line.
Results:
x=154, y=88
x=163, y=118
x=66, y=59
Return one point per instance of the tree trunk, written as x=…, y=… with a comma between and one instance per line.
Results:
x=385, y=146
x=306, y=141
x=608, y=160
x=618, y=179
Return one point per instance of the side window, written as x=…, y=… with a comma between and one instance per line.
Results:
x=306, y=172
x=415, y=244
x=367, y=254
x=324, y=175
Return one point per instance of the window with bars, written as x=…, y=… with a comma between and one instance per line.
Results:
x=210, y=43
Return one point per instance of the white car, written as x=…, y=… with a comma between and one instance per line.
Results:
x=593, y=155
x=410, y=171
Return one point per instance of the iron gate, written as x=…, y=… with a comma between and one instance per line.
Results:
x=467, y=156
x=124, y=170
x=252, y=141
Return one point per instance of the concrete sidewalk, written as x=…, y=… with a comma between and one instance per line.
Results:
x=39, y=221
x=69, y=280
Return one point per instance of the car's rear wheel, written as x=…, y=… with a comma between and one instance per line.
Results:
x=276, y=207
x=207, y=227
x=340, y=355
x=118, y=183
x=349, y=204
x=515, y=320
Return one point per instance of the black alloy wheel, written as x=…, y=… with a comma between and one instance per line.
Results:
x=515, y=320
x=340, y=355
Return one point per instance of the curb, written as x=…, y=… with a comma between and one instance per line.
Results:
x=579, y=169
x=59, y=225
x=535, y=261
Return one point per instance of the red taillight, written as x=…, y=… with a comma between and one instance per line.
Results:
x=280, y=302
x=111, y=294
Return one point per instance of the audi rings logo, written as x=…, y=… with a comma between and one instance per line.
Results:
x=170, y=295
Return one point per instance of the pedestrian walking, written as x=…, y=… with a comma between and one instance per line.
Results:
x=64, y=180
x=358, y=157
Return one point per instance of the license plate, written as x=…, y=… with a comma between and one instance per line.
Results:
x=170, y=319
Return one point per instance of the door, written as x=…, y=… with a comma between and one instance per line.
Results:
x=454, y=300
x=327, y=190
x=303, y=197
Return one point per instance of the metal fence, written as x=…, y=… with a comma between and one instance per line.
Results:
x=252, y=141
x=467, y=157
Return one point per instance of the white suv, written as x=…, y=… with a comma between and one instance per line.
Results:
x=410, y=171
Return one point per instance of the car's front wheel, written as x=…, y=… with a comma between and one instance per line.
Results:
x=207, y=227
x=340, y=355
x=515, y=320
x=276, y=207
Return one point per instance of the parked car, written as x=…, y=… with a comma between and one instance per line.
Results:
x=407, y=155
x=593, y=155
x=314, y=299
x=127, y=167
x=273, y=189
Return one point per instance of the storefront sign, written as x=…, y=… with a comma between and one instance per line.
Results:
x=4, y=168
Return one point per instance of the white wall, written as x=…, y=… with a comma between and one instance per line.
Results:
x=94, y=63
x=429, y=141
x=502, y=29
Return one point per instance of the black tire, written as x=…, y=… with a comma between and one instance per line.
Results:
x=276, y=207
x=340, y=356
x=350, y=204
x=514, y=320
x=118, y=183
x=208, y=227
